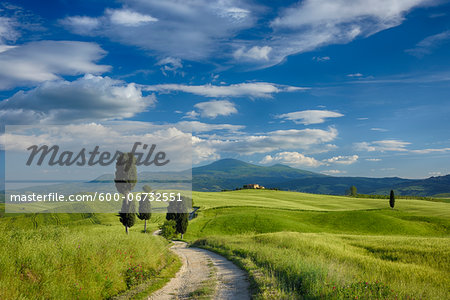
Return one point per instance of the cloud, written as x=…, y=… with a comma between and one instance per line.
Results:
x=435, y=173
x=46, y=60
x=198, y=127
x=394, y=145
x=321, y=58
x=191, y=115
x=355, y=75
x=109, y=136
x=308, y=117
x=8, y=30
x=128, y=17
x=333, y=172
x=87, y=98
x=203, y=151
x=379, y=129
x=190, y=30
x=342, y=160
x=427, y=45
x=212, y=109
x=217, y=29
x=254, y=53
x=310, y=24
x=170, y=64
x=293, y=159
x=382, y=146
x=81, y=24
x=14, y=22
x=310, y=140
x=373, y=159
x=427, y=151
x=337, y=13
x=250, y=89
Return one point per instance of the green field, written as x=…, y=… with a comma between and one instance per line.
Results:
x=80, y=256
x=298, y=245
x=293, y=245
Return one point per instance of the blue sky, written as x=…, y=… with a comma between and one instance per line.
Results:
x=358, y=89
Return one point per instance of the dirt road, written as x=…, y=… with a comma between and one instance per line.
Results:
x=200, y=267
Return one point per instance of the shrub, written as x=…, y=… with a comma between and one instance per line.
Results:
x=168, y=229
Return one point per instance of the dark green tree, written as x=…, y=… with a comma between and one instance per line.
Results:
x=127, y=214
x=353, y=191
x=392, y=199
x=168, y=229
x=179, y=212
x=125, y=180
x=182, y=223
x=145, y=207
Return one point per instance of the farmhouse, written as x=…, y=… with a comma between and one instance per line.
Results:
x=253, y=186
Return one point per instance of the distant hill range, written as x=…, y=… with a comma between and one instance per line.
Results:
x=232, y=173
x=229, y=174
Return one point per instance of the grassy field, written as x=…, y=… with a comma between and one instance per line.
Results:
x=293, y=245
x=80, y=256
x=298, y=245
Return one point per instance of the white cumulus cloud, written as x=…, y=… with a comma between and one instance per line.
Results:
x=293, y=159
x=87, y=98
x=254, y=53
x=342, y=160
x=308, y=117
x=212, y=109
x=128, y=17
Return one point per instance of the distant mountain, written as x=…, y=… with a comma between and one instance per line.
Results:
x=429, y=186
x=233, y=173
x=229, y=174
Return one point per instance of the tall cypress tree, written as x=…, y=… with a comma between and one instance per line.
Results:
x=179, y=212
x=145, y=207
x=125, y=181
x=392, y=199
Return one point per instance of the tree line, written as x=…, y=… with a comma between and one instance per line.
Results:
x=353, y=192
x=125, y=180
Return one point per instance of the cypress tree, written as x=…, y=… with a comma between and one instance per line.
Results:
x=392, y=199
x=145, y=207
x=178, y=211
x=125, y=181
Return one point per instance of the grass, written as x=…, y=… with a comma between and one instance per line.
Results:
x=87, y=256
x=304, y=201
x=293, y=245
x=239, y=220
x=317, y=265
x=296, y=245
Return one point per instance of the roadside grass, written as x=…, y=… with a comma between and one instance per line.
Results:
x=88, y=256
x=297, y=246
x=288, y=265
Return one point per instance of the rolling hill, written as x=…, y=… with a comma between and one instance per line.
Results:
x=230, y=174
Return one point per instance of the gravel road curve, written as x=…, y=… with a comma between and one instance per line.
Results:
x=232, y=282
